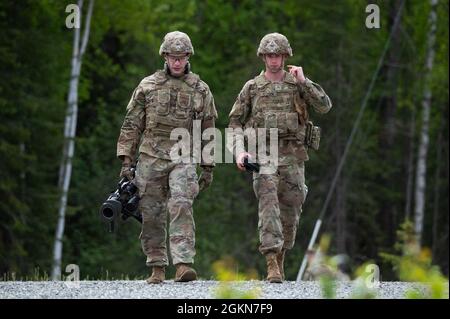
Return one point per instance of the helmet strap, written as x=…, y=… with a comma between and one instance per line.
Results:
x=166, y=68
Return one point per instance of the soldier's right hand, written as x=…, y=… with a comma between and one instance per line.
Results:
x=126, y=171
x=297, y=72
x=240, y=160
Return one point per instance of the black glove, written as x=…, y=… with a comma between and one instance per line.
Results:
x=206, y=177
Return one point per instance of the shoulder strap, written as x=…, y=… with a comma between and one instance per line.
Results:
x=160, y=77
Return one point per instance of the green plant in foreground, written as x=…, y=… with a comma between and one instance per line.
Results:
x=229, y=287
x=366, y=283
x=414, y=264
x=329, y=275
x=328, y=286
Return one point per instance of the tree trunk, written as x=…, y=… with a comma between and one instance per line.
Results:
x=421, y=168
x=339, y=208
x=65, y=171
x=410, y=167
x=341, y=218
x=387, y=118
x=437, y=183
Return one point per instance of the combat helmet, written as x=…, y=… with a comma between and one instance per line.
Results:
x=274, y=43
x=176, y=43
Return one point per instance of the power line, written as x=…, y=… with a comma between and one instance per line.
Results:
x=349, y=143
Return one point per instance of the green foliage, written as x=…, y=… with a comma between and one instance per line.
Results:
x=229, y=277
x=360, y=290
x=233, y=291
x=328, y=286
x=32, y=112
x=364, y=285
x=414, y=264
x=329, y=274
x=331, y=43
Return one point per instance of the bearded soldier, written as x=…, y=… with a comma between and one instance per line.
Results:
x=278, y=100
x=168, y=99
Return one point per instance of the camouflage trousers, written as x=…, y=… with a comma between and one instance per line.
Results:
x=280, y=197
x=166, y=186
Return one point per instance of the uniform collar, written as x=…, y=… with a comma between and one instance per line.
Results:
x=161, y=77
x=262, y=81
x=190, y=79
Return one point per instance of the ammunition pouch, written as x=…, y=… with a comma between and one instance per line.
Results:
x=312, y=136
x=163, y=126
x=286, y=123
x=162, y=117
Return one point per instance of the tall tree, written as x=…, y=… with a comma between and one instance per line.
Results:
x=31, y=109
x=389, y=102
x=410, y=165
x=65, y=171
x=421, y=168
x=436, y=191
x=339, y=205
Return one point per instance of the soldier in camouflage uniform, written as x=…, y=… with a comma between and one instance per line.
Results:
x=168, y=99
x=278, y=99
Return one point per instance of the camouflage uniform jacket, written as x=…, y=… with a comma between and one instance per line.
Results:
x=283, y=105
x=159, y=104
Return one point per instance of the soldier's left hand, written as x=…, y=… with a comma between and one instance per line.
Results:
x=126, y=171
x=206, y=178
x=297, y=72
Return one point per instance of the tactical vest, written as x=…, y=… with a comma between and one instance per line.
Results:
x=173, y=103
x=170, y=103
x=278, y=105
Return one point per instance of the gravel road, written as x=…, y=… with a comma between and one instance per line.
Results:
x=138, y=289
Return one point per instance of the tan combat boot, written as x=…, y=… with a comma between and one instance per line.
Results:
x=158, y=275
x=280, y=262
x=273, y=272
x=185, y=273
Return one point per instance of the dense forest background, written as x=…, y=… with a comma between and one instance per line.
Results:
x=374, y=193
